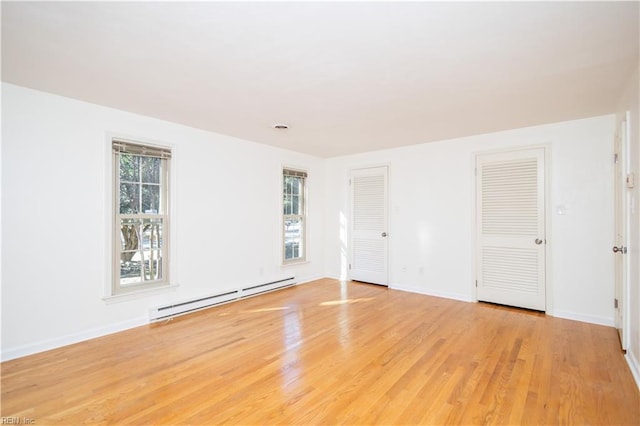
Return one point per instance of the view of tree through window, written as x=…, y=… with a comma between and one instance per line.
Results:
x=294, y=214
x=141, y=215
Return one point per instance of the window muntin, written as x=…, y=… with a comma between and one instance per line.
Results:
x=141, y=221
x=294, y=215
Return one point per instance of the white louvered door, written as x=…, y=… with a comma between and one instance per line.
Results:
x=511, y=228
x=369, y=241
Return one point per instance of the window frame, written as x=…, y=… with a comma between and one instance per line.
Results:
x=118, y=146
x=302, y=214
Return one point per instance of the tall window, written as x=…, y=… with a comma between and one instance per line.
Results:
x=141, y=194
x=294, y=215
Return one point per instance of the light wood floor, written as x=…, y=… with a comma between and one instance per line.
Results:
x=330, y=353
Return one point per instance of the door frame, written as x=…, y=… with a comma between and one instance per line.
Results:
x=622, y=123
x=349, y=229
x=548, y=276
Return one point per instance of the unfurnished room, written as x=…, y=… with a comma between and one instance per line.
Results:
x=319, y=213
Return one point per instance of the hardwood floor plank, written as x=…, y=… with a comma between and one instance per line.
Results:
x=334, y=353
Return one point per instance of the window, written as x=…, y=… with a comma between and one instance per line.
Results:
x=141, y=221
x=294, y=215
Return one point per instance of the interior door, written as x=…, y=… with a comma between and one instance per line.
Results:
x=620, y=247
x=369, y=218
x=510, y=228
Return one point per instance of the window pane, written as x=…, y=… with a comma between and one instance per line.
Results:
x=295, y=185
x=129, y=198
x=150, y=199
x=292, y=251
x=152, y=234
x=130, y=269
x=295, y=204
x=150, y=169
x=129, y=168
x=293, y=238
x=152, y=265
x=129, y=235
x=287, y=204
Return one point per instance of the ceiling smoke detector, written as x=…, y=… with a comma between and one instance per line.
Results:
x=281, y=126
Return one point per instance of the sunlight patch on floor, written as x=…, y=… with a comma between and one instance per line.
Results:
x=346, y=301
x=279, y=308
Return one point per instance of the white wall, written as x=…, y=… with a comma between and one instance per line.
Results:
x=431, y=209
x=629, y=102
x=55, y=218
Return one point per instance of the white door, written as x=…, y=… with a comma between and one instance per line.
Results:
x=620, y=247
x=369, y=211
x=511, y=228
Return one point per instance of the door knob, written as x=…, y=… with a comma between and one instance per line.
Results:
x=538, y=241
x=384, y=234
x=621, y=249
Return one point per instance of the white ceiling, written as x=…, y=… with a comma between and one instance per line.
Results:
x=346, y=77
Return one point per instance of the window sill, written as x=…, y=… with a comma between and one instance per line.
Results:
x=295, y=263
x=117, y=298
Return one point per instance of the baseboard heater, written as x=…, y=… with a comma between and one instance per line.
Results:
x=181, y=308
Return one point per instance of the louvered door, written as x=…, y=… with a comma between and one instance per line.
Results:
x=511, y=228
x=369, y=241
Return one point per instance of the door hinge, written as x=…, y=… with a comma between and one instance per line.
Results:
x=615, y=158
x=476, y=283
x=615, y=303
x=349, y=266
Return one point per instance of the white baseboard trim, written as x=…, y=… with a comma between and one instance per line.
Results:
x=634, y=366
x=431, y=292
x=310, y=278
x=45, y=345
x=593, y=319
x=334, y=277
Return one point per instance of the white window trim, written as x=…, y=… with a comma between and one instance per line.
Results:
x=171, y=281
x=304, y=216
